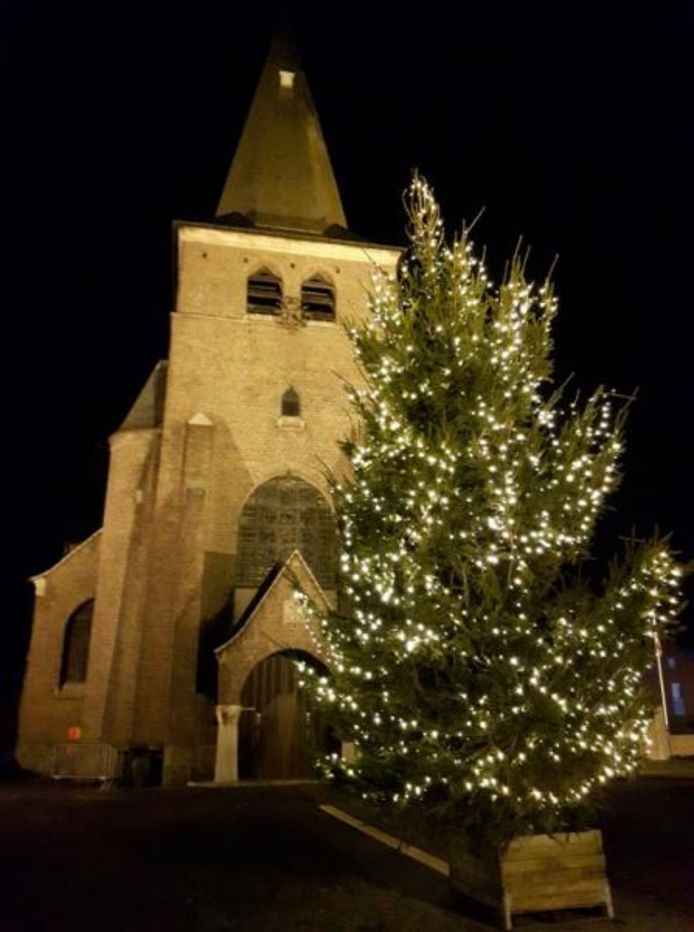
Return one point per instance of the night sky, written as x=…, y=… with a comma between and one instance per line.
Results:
x=570, y=123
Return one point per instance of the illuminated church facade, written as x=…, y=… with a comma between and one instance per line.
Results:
x=165, y=636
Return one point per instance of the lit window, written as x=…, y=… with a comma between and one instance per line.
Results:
x=73, y=667
x=318, y=299
x=677, y=699
x=291, y=405
x=264, y=293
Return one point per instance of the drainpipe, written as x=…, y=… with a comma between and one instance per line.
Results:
x=659, y=663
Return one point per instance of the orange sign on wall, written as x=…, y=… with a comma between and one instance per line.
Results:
x=74, y=733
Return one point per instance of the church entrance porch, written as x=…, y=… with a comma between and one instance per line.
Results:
x=274, y=734
x=267, y=728
x=279, y=734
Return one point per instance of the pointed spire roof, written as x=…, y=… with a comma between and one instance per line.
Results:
x=281, y=176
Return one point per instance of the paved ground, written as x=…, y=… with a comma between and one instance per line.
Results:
x=268, y=859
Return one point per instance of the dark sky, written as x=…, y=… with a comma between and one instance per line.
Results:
x=570, y=123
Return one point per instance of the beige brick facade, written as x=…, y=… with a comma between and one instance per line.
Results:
x=204, y=434
x=165, y=559
x=47, y=710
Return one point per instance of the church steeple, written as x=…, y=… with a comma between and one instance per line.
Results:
x=281, y=176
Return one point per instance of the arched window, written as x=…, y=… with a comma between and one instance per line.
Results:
x=318, y=299
x=283, y=515
x=291, y=405
x=73, y=667
x=264, y=295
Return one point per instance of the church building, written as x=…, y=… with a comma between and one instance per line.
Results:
x=165, y=640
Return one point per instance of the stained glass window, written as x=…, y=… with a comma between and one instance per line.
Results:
x=282, y=515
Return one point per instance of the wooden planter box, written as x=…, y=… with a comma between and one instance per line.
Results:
x=535, y=873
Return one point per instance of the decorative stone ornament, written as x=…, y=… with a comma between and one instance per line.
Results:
x=290, y=313
x=534, y=873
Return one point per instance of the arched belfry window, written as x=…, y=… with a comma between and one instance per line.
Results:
x=318, y=299
x=291, y=404
x=264, y=294
x=73, y=666
x=283, y=515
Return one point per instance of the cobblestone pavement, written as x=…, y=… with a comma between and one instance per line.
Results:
x=267, y=859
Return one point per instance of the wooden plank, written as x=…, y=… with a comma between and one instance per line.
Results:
x=552, y=888
x=557, y=901
x=469, y=863
x=534, y=873
x=528, y=869
x=566, y=853
x=527, y=875
x=470, y=870
x=485, y=895
x=591, y=840
x=549, y=862
x=553, y=882
x=477, y=879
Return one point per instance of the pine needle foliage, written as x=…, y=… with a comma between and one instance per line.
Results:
x=475, y=670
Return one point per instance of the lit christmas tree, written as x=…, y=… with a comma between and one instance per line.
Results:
x=474, y=669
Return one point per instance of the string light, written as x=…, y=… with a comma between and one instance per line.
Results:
x=471, y=665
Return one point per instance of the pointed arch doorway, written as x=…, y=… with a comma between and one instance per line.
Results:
x=280, y=735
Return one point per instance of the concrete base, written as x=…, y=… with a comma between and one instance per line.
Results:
x=660, y=738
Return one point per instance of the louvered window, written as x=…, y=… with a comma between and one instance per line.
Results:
x=283, y=515
x=264, y=293
x=291, y=405
x=318, y=299
x=73, y=668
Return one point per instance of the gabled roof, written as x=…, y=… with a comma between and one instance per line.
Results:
x=70, y=555
x=281, y=176
x=148, y=409
x=298, y=572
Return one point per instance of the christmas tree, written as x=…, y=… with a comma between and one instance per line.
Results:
x=476, y=670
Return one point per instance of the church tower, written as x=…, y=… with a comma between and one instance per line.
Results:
x=164, y=637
